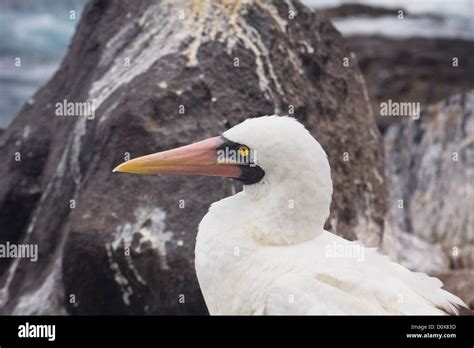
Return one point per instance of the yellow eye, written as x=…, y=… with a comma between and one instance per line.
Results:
x=243, y=151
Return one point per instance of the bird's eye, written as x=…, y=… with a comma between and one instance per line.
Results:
x=243, y=150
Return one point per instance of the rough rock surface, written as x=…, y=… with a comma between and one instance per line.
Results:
x=430, y=172
x=419, y=255
x=413, y=70
x=430, y=166
x=163, y=75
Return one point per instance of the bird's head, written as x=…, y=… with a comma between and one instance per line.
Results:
x=271, y=155
x=262, y=150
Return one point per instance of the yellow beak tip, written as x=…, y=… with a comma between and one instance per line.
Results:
x=117, y=169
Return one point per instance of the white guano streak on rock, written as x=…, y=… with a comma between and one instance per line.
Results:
x=119, y=278
x=150, y=225
x=157, y=38
x=40, y=301
x=203, y=22
x=227, y=20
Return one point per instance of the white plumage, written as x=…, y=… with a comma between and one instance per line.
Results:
x=265, y=251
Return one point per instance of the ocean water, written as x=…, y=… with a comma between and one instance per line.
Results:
x=456, y=18
x=441, y=7
x=37, y=32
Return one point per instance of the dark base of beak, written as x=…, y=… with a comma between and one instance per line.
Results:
x=250, y=175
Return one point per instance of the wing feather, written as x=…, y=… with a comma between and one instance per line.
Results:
x=376, y=286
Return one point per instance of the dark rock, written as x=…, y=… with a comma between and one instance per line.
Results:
x=413, y=70
x=125, y=244
x=361, y=10
x=351, y=10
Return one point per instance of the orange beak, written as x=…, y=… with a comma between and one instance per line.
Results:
x=200, y=158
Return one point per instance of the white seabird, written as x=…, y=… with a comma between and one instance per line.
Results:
x=264, y=250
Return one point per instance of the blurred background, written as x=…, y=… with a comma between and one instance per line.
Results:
x=396, y=56
x=411, y=186
x=39, y=32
